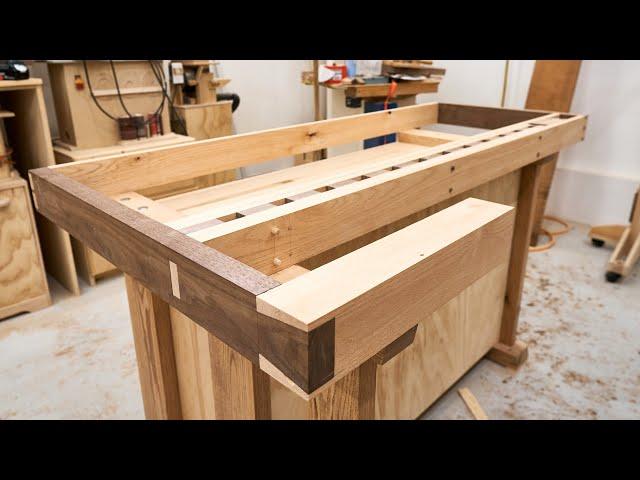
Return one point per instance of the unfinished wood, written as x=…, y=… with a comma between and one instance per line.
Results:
x=307, y=359
x=192, y=184
x=65, y=153
x=310, y=226
x=609, y=234
x=483, y=117
x=552, y=86
x=28, y=132
x=111, y=92
x=286, y=405
x=529, y=182
x=194, y=367
x=20, y=84
x=156, y=167
x=447, y=344
x=290, y=273
x=210, y=120
x=98, y=266
x=509, y=355
x=501, y=190
x=428, y=138
x=350, y=398
x=472, y=404
x=351, y=166
x=30, y=139
x=429, y=85
x=80, y=121
x=395, y=347
x=456, y=336
x=411, y=68
x=220, y=292
x=312, y=299
x=23, y=283
x=147, y=206
x=202, y=205
x=215, y=381
x=370, y=304
x=241, y=391
x=627, y=251
x=153, y=340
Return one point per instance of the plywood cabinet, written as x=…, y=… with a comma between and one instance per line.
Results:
x=208, y=120
x=27, y=130
x=23, y=284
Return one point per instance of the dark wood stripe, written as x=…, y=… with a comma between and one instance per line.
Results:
x=217, y=292
x=322, y=346
x=306, y=358
x=395, y=347
x=483, y=117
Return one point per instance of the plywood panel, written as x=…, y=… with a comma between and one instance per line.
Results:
x=208, y=120
x=80, y=121
x=447, y=344
x=22, y=277
x=407, y=384
x=30, y=139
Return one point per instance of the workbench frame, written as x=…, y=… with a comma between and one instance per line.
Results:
x=182, y=268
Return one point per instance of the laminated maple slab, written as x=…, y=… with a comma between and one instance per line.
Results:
x=372, y=296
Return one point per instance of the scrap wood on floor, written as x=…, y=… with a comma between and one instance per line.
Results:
x=472, y=404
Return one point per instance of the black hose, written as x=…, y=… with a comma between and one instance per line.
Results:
x=163, y=85
x=234, y=97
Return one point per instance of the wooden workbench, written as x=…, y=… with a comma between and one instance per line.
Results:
x=361, y=286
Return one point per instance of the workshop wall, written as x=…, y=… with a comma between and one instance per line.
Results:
x=272, y=95
x=596, y=179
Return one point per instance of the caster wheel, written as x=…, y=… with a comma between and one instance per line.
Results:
x=597, y=243
x=612, y=277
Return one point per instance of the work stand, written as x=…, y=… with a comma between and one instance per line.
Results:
x=624, y=239
x=361, y=286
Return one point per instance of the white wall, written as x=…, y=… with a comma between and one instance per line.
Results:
x=271, y=95
x=596, y=179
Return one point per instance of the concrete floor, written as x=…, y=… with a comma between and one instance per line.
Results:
x=75, y=359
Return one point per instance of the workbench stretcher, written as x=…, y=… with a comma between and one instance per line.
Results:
x=361, y=286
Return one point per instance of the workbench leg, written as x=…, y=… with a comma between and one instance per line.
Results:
x=547, y=172
x=241, y=391
x=350, y=398
x=154, y=352
x=509, y=351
